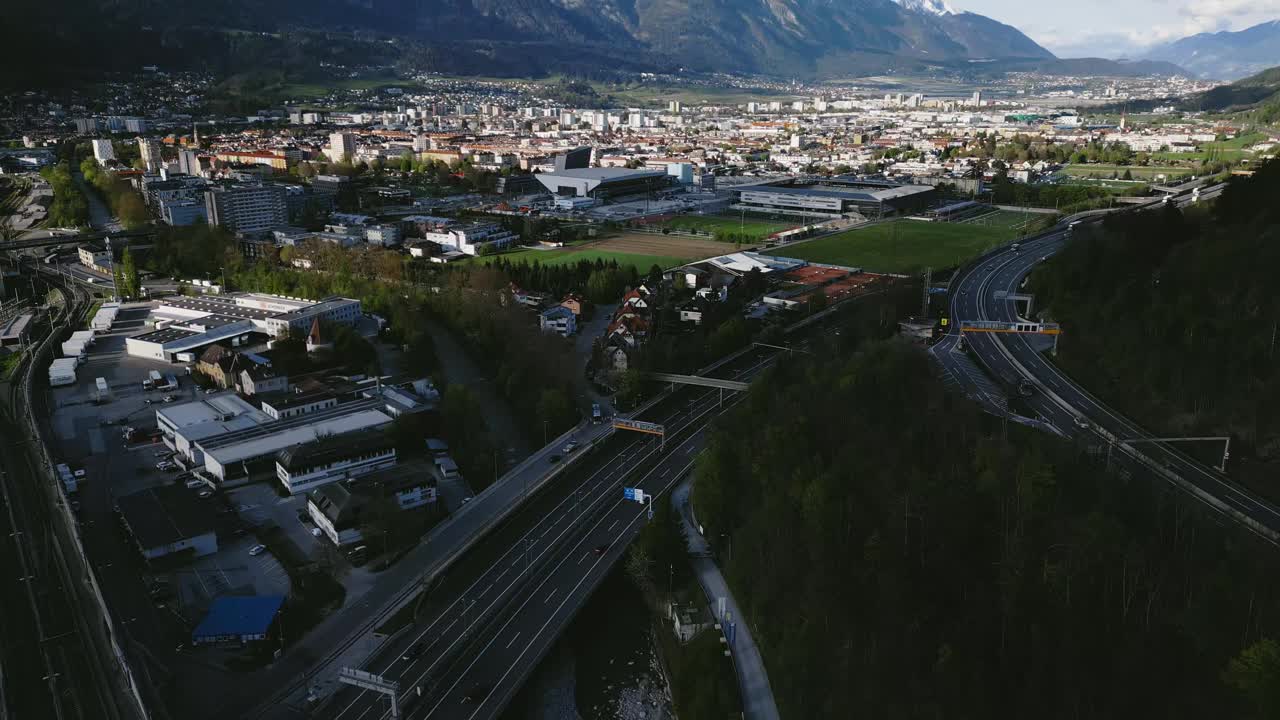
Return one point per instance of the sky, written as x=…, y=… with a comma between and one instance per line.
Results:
x=1119, y=28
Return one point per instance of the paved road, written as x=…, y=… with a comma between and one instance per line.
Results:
x=753, y=679
x=1067, y=407
x=476, y=654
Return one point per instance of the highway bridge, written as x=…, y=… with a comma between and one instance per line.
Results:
x=121, y=237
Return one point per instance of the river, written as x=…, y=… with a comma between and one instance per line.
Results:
x=605, y=667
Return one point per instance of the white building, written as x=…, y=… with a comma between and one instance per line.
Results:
x=342, y=146
x=103, y=151
x=305, y=467
x=470, y=239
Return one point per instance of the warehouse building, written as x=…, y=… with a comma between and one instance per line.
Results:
x=242, y=456
x=239, y=620
x=834, y=197
x=168, y=520
x=185, y=326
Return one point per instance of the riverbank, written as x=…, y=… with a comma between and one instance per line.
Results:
x=605, y=667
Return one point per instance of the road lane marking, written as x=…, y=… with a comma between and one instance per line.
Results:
x=551, y=595
x=615, y=522
x=513, y=639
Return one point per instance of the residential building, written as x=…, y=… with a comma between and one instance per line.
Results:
x=95, y=256
x=247, y=208
x=103, y=151
x=149, y=151
x=262, y=379
x=189, y=162
x=342, y=146
x=336, y=511
x=558, y=319
x=472, y=238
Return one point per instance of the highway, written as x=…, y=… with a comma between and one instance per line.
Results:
x=1063, y=404
x=491, y=633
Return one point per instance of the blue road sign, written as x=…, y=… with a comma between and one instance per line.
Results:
x=628, y=493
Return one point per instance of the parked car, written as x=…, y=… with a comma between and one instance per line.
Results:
x=169, y=398
x=257, y=550
x=205, y=493
x=317, y=532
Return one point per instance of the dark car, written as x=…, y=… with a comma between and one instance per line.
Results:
x=414, y=652
x=554, y=459
x=476, y=694
x=602, y=549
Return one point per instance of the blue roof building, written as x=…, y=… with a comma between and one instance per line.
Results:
x=238, y=619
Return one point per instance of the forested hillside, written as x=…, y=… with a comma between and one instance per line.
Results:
x=901, y=555
x=1175, y=317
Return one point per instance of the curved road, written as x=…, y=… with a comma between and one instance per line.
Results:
x=1062, y=403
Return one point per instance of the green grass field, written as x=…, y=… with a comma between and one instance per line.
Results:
x=570, y=256
x=903, y=246
x=712, y=224
x=1138, y=173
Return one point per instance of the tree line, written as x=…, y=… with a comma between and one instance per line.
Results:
x=1174, y=316
x=900, y=554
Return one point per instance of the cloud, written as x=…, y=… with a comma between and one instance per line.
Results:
x=1177, y=19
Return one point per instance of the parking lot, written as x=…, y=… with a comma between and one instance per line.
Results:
x=155, y=604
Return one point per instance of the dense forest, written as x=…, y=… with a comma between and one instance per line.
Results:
x=900, y=554
x=1174, y=316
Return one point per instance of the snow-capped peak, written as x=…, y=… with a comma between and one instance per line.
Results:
x=930, y=7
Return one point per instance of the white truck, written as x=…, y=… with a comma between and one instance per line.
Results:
x=103, y=391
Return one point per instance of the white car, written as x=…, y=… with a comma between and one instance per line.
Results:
x=316, y=532
x=570, y=446
x=257, y=550
x=1082, y=423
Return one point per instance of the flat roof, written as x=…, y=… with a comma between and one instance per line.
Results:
x=167, y=335
x=278, y=436
x=604, y=174
x=210, y=408
x=236, y=615
x=216, y=306
x=164, y=515
x=842, y=193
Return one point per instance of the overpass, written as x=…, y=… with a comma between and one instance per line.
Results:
x=700, y=381
x=123, y=235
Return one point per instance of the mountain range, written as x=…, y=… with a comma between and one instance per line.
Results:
x=781, y=38
x=1248, y=93
x=1224, y=55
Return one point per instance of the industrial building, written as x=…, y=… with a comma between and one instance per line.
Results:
x=167, y=520
x=185, y=325
x=309, y=465
x=604, y=183
x=238, y=619
x=241, y=456
x=834, y=197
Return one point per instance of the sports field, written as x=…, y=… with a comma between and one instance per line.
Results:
x=754, y=228
x=639, y=249
x=903, y=246
x=1136, y=172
